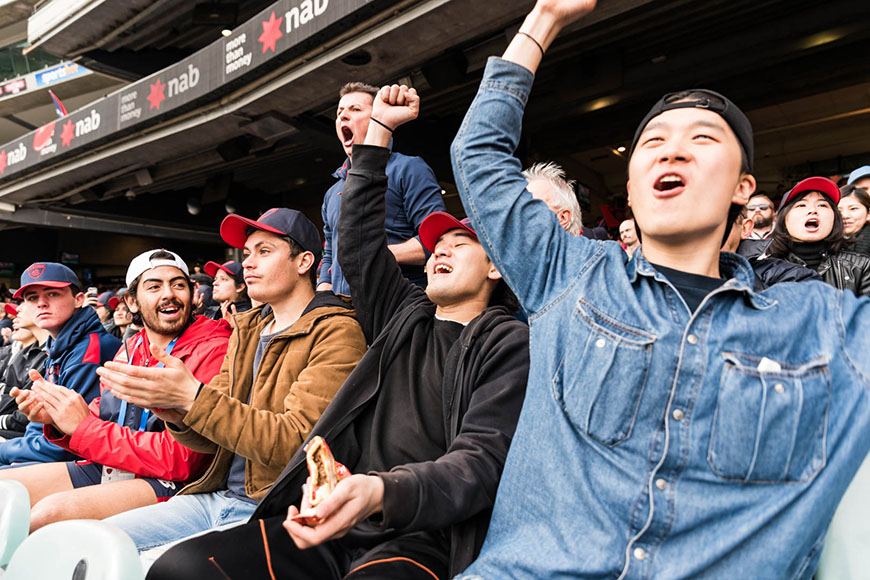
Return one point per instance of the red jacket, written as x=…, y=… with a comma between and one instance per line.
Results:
x=152, y=452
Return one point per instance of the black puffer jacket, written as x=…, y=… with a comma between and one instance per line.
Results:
x=846, y=271
x=770, y=271
x=12, y=421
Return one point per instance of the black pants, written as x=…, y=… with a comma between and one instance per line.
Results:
x=262, y=549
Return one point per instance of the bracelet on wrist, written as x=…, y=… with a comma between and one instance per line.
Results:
x=532, y=38
x=381, y=124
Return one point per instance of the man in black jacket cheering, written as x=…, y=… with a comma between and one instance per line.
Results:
x=424, y=421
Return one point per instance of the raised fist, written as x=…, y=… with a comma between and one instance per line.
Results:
x=395, y=105
x=566, y=11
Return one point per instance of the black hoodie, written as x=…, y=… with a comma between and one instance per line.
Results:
x=483, y=387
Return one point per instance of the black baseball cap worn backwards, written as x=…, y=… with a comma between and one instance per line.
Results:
x=278, y=220
x=712, y=101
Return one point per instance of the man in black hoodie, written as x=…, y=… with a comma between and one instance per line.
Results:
x=424, y=422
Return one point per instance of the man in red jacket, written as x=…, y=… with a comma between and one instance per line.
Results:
x=125, y=447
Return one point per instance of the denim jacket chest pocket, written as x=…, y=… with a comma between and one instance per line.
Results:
x=770, y=421
x=600, y=380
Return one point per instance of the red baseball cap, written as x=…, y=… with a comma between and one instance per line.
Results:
x=232, y=268
x=821, y=184
x=437, y=224
x=10, y=309
x=278, y=220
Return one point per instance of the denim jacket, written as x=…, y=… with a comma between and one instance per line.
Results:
x=655, y=442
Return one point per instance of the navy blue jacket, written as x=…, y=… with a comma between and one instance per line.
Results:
x=81, y=346
x=412, y=194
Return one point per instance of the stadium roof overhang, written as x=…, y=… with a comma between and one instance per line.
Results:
x=240, y=95
x=239, y=111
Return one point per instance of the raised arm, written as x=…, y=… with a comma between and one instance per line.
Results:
x=377, y=285
x=510, y=224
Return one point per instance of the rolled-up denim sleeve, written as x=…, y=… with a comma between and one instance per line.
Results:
x=536, y=257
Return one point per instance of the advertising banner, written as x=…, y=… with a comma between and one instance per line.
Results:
x=14, y=86
x=56, y=74
x=273, y=32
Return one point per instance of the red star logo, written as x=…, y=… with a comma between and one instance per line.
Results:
x=2, y=162
x=271, y=32
x=156, y=96
x=68, y=134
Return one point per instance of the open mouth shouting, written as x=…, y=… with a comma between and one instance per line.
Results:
x=346, y=136
x=668, y=185
x=812, y=225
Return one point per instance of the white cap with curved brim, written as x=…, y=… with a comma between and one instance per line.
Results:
x=143, y=262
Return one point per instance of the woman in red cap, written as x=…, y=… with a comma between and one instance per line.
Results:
x=809, y=231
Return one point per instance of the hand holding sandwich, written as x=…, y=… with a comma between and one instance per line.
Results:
x=354, y=499
x=333, y=500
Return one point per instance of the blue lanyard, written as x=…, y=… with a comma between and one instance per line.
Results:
x=122, y=413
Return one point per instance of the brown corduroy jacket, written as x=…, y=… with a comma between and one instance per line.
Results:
x=300, y=371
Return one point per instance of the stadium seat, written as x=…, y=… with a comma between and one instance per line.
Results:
x=14, y=518
x=845, y=556
x=76, y=549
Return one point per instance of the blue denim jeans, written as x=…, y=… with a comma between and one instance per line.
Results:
x=656, y=442
x=180, y=517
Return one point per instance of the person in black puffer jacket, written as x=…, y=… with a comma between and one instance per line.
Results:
x=31, y=355
x=854, y=206
x=809, y=232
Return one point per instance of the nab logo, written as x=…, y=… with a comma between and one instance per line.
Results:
x=304, y=13
x=184, y=81
x=268, y=213
x=88, y=124
x=36, y=271
x=12, y=156
x=81, y=127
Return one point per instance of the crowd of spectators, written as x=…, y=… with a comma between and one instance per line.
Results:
x=697, y=387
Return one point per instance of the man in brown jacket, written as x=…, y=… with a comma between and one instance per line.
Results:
x=286, y=360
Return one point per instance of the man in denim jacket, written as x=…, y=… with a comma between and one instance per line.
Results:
x=677, y=423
